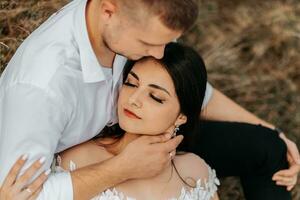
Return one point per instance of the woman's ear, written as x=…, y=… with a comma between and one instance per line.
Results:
x=181, y=119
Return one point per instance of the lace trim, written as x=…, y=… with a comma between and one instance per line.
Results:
x=204, y=190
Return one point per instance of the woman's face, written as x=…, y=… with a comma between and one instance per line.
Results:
x=147, y=102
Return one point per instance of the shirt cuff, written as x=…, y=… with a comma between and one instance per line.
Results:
x=208, y=94
x=58, y=186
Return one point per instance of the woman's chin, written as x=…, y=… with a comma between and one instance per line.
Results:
x=129, y=128
x=133, y=128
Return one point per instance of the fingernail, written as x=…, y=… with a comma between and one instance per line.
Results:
x=47, y=172
x=42, y=159
x=25, y=156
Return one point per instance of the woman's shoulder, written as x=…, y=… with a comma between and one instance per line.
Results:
x=82, y=155
x=196, y=172
x=192, y=166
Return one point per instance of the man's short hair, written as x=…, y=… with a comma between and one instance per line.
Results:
x=174, y=14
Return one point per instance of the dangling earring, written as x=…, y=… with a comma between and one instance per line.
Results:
x=176, y=129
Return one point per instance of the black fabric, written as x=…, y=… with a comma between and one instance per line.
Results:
x=252, y=152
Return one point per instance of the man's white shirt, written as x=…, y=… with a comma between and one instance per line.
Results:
x=54, y=94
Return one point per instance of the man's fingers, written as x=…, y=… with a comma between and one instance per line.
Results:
x=172, y=144
x=290, y=158
x=158, y=138
x=292, y=148
x=280, y=183
x=286, y=183
x=284, y=172
x=294, y=152
x=170, y=130
x=289, y=180
x=289, y=188
x=172, y=154
x=292, y=171
x=14, y=171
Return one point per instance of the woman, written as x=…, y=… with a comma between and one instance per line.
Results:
x=157, y=96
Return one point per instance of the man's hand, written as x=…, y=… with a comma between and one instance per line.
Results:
x=289, y=176
x=147, y=156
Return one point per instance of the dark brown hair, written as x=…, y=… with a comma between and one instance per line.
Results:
x=175, y=14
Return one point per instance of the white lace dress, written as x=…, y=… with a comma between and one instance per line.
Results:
x=202, y=191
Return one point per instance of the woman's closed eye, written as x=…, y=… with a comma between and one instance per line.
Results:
x=127, y=83
x=153, y=97
x=156, y=98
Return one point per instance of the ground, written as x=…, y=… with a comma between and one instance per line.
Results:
x=251, y=49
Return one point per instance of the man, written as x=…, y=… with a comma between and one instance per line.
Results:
x=61, y=86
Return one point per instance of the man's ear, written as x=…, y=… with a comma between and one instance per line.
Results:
x=108, y=8
x=181, y=119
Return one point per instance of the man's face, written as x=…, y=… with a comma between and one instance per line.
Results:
x=135, y=41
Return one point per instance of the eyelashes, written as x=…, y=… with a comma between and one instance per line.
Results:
x=150, y=95
x=156, y=99
x=129, y=84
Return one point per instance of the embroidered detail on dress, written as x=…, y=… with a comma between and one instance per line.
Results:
x=204, y=190
x=72, y=166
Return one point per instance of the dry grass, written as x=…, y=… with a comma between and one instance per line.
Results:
x=251, y=49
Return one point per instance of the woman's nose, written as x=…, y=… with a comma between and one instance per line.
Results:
x=135, y=100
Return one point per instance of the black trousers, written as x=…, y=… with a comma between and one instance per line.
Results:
x=252, y=152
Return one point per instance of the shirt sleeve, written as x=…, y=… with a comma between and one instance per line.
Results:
x=208, y=94
x=31, y=121
x=58, y=186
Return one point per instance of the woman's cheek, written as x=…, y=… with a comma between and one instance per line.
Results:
x=161, y=119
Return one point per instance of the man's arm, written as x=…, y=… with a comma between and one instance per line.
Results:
x=222, y=108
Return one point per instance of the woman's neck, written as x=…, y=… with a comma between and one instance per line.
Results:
x=117, y=147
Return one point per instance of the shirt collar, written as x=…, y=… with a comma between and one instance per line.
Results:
x=91, y=69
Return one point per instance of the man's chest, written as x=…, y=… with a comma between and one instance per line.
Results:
x=91, y=107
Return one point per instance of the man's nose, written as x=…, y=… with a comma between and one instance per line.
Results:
x=157, y=52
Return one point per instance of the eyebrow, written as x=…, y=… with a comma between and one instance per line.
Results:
x=158, y=87
x=150, y=85
x=134, y=75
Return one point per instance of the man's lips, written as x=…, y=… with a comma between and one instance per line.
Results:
x=131, y=114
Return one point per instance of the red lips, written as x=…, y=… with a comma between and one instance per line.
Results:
x=130, y=114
